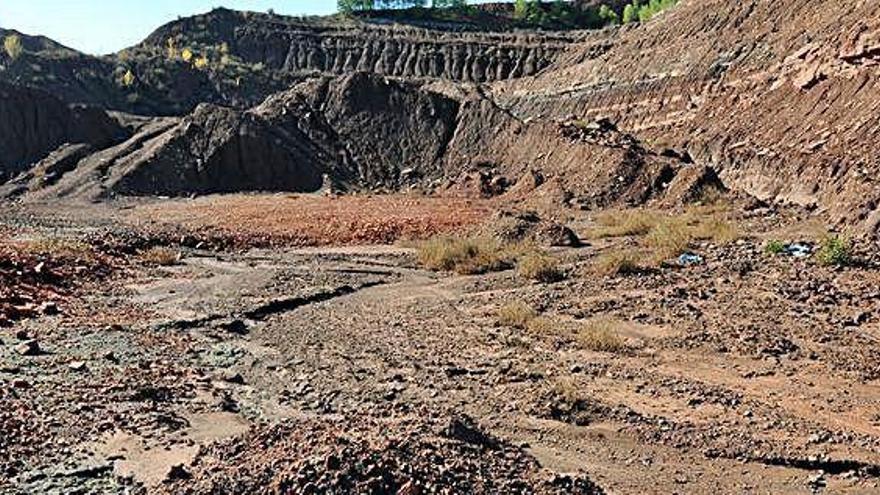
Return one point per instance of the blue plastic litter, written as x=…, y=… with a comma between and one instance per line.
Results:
x=688, y=259
x=798, y=249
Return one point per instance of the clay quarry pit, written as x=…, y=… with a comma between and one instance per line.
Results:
x=466, y=262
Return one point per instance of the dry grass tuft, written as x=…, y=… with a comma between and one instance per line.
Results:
x=516, y=314
x=567, y=391
x=668, y=239
x=600, y=334
x=161, y=256
x=542, y=326
x=625, y=223
x=540, y=267
x=465, y=256
x=662, y=236
x=619, y=263
x=713, y=197
x=60, y=247
x=716, y=230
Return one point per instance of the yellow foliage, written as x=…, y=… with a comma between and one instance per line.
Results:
x=128, y=78
x=186, y=54
x=201, y=62
x=12, y=45
x=171, y=43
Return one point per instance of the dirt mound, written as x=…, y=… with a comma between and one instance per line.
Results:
x=33, y=123
x=327, y=132
x=358, y=455
x=582, y=164
x=332, y=134
x=514, y=226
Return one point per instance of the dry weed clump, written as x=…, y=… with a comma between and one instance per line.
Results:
x=661, y=236
x=715, y=229
x=540, y=267
x=466, y=256
x=626, y=223
x=623, y=262
x=668, y=239
x=516, y=314
x=60, y=247
x=161, y=256
x=600, y=334
x=542, y=325
x=476, y=255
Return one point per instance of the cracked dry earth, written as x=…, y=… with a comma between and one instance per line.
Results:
x=352, y=370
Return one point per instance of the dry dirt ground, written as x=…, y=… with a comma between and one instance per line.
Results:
x=347, y=368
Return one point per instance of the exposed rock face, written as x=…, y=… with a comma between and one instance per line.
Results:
x=778, y=97
x=287, y=44
x=263, y=54
x=33, y=123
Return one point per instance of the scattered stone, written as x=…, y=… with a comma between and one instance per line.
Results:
x=49, y=308
x=454, y=371
x=332, y=463
x=238, y=327
x=817, y=482
x=231, y=376
x=409, y=488
x=465, y=429
x=177, y=472
x=77, y=366
x=28, y=348
x=95, y=471
x=817, y=438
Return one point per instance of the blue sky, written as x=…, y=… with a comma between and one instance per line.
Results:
x=104, y=26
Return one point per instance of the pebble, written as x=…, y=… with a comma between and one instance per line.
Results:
x=177, y=472
x=49, y=308
x=232, y=377
x=77, y=366
x=28, y=348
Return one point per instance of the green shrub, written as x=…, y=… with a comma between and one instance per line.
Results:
x=640, y=11
x=835, y=250
x=630, y=14
x=608, y=16
x=774, y=246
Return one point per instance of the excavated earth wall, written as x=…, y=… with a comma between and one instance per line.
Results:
x=780, y=97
